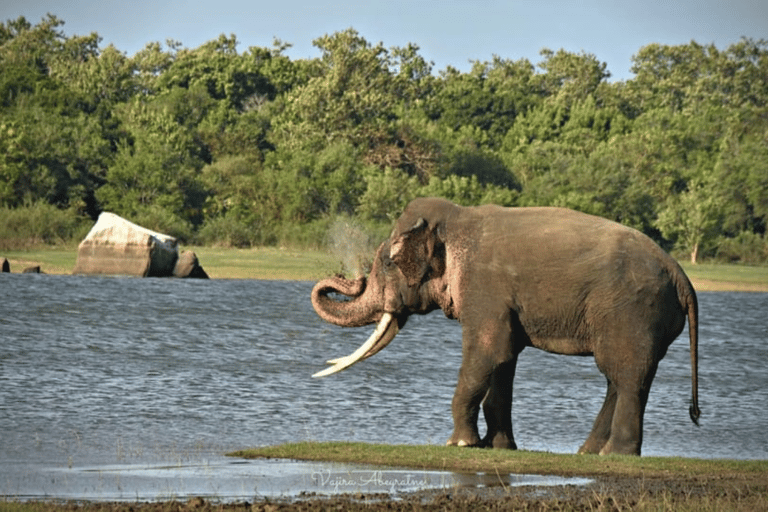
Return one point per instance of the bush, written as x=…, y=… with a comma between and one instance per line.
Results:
x=468, y=191
x=40, y=223
x=163, y=221
x=746, y=247
x=230, y=230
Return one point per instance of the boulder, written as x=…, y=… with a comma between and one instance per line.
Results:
x=188, y=266
x=32, y=270
x=115, y=246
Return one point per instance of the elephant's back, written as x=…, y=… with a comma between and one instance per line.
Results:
x=550, y=228
x=564, y=249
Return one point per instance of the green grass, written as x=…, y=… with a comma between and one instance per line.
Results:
x=266, y=263
x=52, y=259
x=454, y=459
x=219, y=263
x=621, y=482
x=742, y=277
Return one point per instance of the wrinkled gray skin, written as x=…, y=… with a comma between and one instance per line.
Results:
x=550, y=278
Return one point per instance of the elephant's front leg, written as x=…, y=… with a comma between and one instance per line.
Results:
x=497, y=407
x=470, y=390
x=486, y=346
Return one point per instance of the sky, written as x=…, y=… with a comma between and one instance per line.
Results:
x=448, y=32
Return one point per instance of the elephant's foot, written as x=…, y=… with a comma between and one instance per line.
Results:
x=609, y=447
x=465, y=440
x=591, y=446
x=500, y=440
x=461, y=443
x=630, y=448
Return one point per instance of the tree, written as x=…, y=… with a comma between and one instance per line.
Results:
x=490, y=97
x=742, y=171
x=230, y=144
x=157, y=164
x=218, y=68
x=570, y=77
x=386, y=194
x=467, y=191
x=57, y=95
x=347, y=98
x=693, y=217
x=25, y=54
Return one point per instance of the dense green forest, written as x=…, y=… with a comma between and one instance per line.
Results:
x=219, y=146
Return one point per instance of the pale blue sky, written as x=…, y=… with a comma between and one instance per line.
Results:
x=449, y=32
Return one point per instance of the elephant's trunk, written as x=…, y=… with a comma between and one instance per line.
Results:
x=358, y=311
x=364, y=307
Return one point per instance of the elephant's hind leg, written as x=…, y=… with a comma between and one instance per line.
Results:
x=601, y=430
x=497, y=408
x=626, y=432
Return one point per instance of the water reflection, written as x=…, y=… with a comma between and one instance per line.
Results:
x=236, y=480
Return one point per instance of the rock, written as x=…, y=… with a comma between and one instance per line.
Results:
x=6, y=266
x=188, y=266
x=32, y=270
x=115, y=246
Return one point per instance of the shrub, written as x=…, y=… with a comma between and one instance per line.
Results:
x=163, y=221
x=746, y=247
x=229, y=230
x=40, y=223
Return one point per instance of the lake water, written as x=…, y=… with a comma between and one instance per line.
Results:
x=107, y=381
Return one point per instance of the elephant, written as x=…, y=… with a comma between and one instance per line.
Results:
x=552, y=278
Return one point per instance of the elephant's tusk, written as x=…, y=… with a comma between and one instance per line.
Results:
x=342, y=363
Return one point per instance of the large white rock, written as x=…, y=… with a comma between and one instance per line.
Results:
x=115, y=246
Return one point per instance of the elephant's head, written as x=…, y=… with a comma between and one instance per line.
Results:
x=407, y=277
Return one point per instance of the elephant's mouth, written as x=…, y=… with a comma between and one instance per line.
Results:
x=386, y=330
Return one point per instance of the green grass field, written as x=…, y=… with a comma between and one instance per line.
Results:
x=719, y=276
x=219, y=263
x=311, y=265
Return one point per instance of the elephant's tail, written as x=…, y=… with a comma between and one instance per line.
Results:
x=688, y=298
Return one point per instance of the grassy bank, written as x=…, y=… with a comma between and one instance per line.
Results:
x=311, y=265
x=723, y=277
x=620, y=482
x=446, y=458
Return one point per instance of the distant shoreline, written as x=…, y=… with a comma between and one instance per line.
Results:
x=707, y=285
x=272, y=263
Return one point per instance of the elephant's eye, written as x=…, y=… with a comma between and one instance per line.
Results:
x=388, y=263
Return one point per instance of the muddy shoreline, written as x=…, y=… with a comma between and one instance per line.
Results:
x=677, y=492
x=605, y=493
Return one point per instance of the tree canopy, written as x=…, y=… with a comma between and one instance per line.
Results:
x=216, y=145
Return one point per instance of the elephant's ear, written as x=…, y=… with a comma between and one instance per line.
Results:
x=412, y=251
